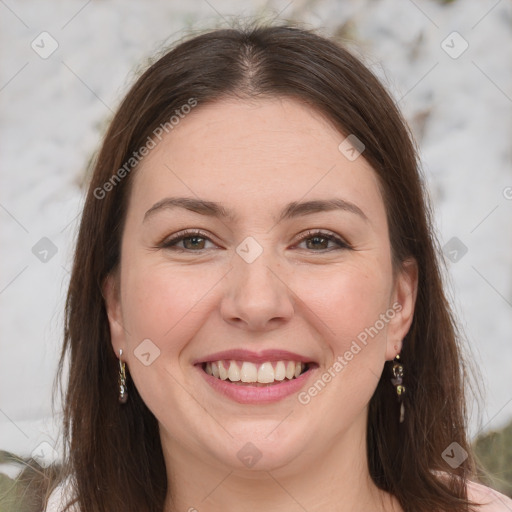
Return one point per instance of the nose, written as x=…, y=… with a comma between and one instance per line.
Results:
x=257, y=296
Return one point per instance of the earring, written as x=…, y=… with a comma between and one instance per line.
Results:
x=398, y=374
x=123, y=392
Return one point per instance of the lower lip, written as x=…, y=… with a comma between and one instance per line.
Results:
x=247, y=394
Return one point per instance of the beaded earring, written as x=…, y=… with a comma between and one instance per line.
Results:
x=398, y=374
x=123, y=392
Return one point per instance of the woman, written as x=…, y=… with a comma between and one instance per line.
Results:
x=256, y=318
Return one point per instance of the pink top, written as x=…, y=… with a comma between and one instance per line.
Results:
x=492, y=501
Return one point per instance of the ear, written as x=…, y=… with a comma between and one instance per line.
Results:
x=403, y=301
x=111, y=295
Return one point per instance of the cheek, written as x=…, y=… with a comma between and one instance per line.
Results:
x=159, y=301
x=160, y=304
x=349, y=304
x=347, y=300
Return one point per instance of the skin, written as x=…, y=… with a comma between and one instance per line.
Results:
x=303, y=296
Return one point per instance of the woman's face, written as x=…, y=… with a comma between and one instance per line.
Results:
x=291, y=264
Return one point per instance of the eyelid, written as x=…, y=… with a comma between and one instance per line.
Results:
x=180, y=235
x=330, y=235
x=176, y=238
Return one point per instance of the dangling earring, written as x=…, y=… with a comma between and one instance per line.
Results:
x=398, y=374
x=123, y=392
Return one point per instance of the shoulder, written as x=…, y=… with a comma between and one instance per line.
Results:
x=491, y=500
x=60, y=496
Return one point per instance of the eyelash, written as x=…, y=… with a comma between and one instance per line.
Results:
x=170, y=243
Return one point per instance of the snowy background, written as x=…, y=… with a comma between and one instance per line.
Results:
x=66, y=65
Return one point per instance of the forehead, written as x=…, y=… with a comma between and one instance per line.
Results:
x=254, y=154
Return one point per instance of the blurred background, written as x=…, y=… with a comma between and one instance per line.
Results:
x=65, y=66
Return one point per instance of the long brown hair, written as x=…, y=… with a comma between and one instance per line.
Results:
x=113, y=452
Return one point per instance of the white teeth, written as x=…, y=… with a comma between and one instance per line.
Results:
x=248, y=372
x=233, y=372
x=280, y=371
x=223, y=374
x=266, y=373
x=290, y=370
x=245, y=371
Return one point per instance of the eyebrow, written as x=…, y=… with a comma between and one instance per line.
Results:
x=291, y=210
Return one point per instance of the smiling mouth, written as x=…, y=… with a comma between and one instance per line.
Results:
x=245, y=373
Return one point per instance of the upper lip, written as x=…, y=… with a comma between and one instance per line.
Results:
x=254, y=357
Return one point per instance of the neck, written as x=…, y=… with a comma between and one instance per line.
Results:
x=335, y=479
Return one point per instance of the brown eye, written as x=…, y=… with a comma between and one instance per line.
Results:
x=193, y=242
x=319, y=242
x=186, y=241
